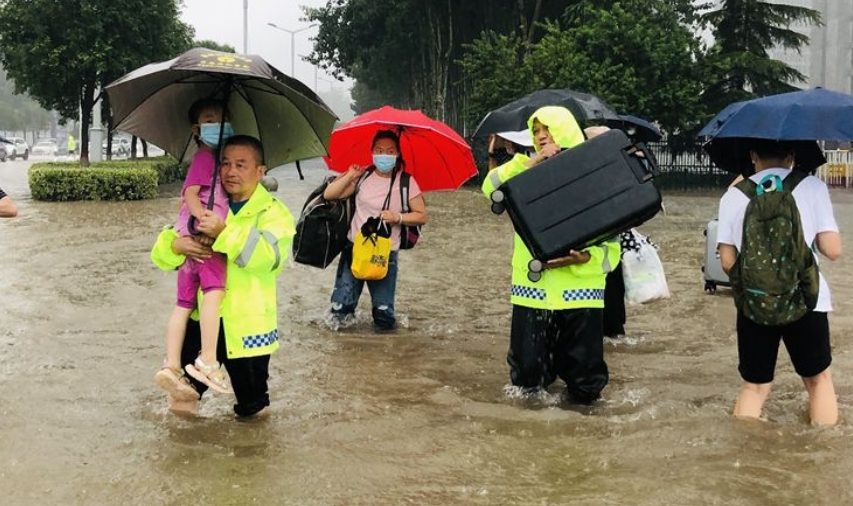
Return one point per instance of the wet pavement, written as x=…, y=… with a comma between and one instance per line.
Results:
x=422, y=416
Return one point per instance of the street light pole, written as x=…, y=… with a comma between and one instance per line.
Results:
x=245, y=26
x=292, y=43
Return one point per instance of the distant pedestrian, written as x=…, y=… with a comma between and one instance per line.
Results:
x=72, y=145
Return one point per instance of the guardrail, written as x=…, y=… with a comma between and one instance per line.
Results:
x=838, y=169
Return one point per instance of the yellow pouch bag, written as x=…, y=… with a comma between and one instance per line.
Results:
x=371, y=253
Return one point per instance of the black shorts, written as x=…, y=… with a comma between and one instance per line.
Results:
x=807, y=342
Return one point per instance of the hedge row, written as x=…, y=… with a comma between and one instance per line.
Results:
x=112, y=180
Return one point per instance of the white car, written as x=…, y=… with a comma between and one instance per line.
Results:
x=121, y=147
x=46, y=148
x=18, y=149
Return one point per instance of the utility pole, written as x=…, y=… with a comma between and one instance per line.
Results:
x=245, y=26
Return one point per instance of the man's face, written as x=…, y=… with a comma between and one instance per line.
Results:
x=541, y=135
x=240, y=172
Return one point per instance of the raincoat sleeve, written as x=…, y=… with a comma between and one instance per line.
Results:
x=502, y=173
x=162, y=254
x=262, y=246
x=606, y=255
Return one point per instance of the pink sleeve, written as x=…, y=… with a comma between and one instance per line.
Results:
x=414, y=189
x=200, y=172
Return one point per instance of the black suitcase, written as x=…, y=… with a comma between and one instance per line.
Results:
x=580, y=197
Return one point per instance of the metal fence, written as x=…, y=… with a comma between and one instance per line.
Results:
x=691, y=170
x=838, y=169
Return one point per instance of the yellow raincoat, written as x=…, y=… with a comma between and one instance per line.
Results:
x=571, y=286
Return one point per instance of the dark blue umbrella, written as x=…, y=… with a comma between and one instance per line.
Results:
x=636, y=128
x=814, y=115
x=802, y=116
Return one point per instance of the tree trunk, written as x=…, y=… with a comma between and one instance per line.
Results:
x=86, y=104
x=522, y=18
x=533, y=21
x=133, y=148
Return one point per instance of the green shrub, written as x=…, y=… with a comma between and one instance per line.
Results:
x=108, y=180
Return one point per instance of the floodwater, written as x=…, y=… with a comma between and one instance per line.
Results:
x=422, y=416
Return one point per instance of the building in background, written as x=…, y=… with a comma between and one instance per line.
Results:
x=828, y=59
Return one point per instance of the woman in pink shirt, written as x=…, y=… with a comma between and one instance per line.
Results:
x=373, y=186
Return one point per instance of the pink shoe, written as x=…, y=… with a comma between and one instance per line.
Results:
x=210, y=375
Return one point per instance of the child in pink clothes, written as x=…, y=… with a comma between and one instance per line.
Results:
x=208, y=275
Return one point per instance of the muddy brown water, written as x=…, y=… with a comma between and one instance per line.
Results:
x=423, y=416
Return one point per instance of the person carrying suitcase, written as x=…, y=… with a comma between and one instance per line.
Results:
x=557, y=321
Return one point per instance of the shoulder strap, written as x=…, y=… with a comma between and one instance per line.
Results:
x=748, y=187
x=368, y=171
x=793, y=179
x=404, y=191
x=387, y=204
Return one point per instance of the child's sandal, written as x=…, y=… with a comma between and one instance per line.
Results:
x=210, y=375
x=176, y=384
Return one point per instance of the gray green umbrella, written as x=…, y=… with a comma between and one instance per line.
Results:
x=291, y=121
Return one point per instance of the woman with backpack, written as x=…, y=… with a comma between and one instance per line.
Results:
x=393, y=199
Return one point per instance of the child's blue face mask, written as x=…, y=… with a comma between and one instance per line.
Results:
x=384, y=163
x=209, y=133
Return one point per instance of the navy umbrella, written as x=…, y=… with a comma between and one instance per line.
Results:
x=514, y=115
x=803, y=116
x=636, y=128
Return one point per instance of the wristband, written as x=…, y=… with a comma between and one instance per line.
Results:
x=400, y=218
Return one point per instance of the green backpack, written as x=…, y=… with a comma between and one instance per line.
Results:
x=775, y=279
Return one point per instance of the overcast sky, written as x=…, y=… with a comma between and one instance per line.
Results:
x=222, y=21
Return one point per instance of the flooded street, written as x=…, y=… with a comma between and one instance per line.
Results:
x=421, y=416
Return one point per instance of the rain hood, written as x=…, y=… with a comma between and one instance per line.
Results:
x=561, y=124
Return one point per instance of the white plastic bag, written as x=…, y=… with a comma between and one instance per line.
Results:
x=643, y=273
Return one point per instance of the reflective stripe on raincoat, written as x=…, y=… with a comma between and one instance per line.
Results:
x=570, y=286
x=256, y=242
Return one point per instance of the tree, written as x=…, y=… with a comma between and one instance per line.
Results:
x=407, y=53
x=638, y=55
x=744, y=30
x=19, y=112
x=60, y=53
x=495, y=74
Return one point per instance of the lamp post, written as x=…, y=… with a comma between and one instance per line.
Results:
x=331, y=83
x=315, y=73
x=245, y=26
x=292, y=44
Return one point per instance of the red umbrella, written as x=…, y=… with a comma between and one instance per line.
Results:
x=436, y=156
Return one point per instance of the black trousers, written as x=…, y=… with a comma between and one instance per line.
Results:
x=248, y=375
x=567, y=344
x=614, y=303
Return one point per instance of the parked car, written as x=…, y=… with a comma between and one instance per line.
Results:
x=18, y=149
x=121, y=147
x=46, y=148
x=3, y=154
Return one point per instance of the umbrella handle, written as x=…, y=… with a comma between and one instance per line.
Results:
x=191, y=226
